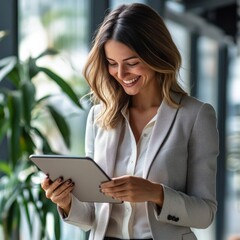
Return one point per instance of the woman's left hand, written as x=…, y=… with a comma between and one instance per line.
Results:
x=133, y=189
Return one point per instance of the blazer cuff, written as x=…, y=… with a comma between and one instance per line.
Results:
x=168, y=211
x=79, y=214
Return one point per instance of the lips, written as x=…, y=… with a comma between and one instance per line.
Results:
x=131, y=81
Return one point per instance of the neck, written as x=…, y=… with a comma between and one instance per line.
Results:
x=145, y=102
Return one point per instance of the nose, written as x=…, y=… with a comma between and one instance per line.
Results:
x=121, y=72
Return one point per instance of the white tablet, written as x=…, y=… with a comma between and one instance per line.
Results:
x=83, y=171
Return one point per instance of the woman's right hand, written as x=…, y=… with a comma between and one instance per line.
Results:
x=59, y=192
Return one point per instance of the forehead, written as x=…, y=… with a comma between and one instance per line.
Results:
x=118, y=51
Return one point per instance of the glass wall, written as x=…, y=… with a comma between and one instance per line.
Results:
x=64, y=27
x=232, y=198
x=207, y=89
x=115, y=3
x=207, y=82
x=181, y=37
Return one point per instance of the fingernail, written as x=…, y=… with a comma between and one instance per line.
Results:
x=69, y=181
x=60, y=179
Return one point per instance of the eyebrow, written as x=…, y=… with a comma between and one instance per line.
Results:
x=129, y=58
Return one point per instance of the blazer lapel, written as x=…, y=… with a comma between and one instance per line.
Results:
x=163, y=124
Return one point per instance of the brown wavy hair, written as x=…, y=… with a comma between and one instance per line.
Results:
x=143, y=30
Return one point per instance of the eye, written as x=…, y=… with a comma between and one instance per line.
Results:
x=133, y=64
x=112, y=64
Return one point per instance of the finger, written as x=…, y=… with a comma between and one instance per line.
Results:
x=53, y=186
x=63, y=197
x=63, y=187
x=115, y=182
x=131, y=189
x=112, y=190
x=46, y=182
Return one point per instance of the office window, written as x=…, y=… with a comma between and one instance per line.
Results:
x=181, y=38
x=115, y=3
x=207, y=91
x=232, y=197
x=207, y=87
x=53, y=24
x=63, y=26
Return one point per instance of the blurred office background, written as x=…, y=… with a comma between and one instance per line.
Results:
x=207, y=33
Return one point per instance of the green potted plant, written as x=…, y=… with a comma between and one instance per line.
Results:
x=21, y=198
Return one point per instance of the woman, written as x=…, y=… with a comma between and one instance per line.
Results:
x=159, y=145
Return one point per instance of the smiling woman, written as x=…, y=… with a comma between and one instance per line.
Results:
x=142, y=127
x=162, y=58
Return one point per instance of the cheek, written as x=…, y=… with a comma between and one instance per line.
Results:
x=141, y=70
x=112, y=71
x=150, y=73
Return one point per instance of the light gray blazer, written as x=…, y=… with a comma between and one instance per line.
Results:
x=182, y=156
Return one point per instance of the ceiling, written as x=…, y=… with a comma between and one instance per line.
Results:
x=225, y=14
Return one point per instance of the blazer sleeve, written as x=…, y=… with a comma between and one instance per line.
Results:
x=197, y=206
x=80, y=215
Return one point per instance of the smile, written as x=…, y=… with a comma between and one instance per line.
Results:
x=131, y=80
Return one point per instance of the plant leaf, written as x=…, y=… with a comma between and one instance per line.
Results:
x=49, y=51
x=38, y=209
x=7, y=65
x=33, y=68
x=13, y=220
x=5, y=168
x=11, y=195
x=45, y=145
x=4, y=124
x=14, y=107
x=26, y=141
x=14, y=75
x=3, y=34
x=28, y=99
x=61, y=124
x=26, y=210
x=57, y=225
x=63, y=85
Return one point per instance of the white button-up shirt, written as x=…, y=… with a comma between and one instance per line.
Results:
x=129, y=220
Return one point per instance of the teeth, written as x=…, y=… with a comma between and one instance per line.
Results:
x=130, y=81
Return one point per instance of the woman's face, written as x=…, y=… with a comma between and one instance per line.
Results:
x=127, y=68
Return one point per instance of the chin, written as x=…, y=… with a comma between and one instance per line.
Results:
x=131, y=93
